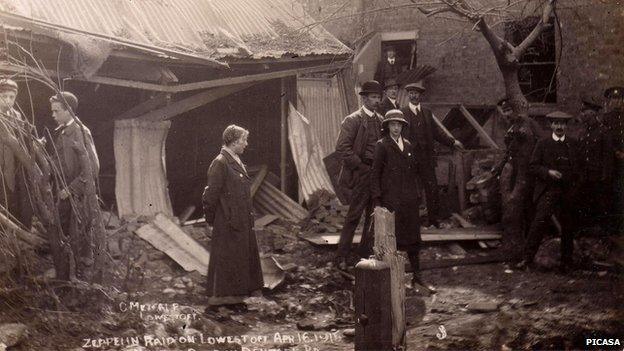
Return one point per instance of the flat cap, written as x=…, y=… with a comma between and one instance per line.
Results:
x=559, y=115
x=66, y=98
x=415, y=86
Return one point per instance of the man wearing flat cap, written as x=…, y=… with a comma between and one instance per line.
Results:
x=391, y=92
x=422, y=131
x=555, y=166
x=596, y=155
x=358, y=136
x=74, y=154
x=614, y=120
x=13, y=189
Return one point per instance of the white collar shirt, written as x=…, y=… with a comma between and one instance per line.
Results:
x=556, y=138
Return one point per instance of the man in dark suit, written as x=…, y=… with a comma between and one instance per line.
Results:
x=555, y=166
x=596, y=157
x=391, y=92
x=358, y=136
x=390, y=66
x=422, y=131
x=74, y=154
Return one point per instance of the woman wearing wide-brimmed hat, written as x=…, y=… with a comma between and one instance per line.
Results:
x=395, y=186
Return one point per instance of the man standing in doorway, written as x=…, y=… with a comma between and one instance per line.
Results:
x=422, y=131
x=390, y=66
x=358, y=136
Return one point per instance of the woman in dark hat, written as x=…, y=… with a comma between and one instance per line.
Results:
x=395, y=186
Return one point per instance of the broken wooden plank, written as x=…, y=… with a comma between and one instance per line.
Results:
x=427, y=235
x=462, y=221
x=258, y=179
x=146, y=106
x=386, y=251
x=169, y=238
x=195, y=221
x=187, y=213
x=482, y=244
x=8, y=226
x=488, y=139
x=265, y=220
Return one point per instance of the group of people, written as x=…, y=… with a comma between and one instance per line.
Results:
x=386, y=161
x=74, y=159
x=387, y=156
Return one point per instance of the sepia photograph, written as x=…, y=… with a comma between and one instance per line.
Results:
x=311, y=175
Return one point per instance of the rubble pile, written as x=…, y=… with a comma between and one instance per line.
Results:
x=328, y=217
x=482, y=192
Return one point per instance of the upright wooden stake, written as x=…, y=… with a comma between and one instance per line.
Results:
x=284, y=135
x=386, y=250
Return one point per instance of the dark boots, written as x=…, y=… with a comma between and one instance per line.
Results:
x=416, y=278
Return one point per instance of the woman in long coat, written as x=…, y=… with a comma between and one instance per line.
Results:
x=395, y=186
x=234, y=271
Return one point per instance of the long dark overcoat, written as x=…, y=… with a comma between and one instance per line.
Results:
x=234, y=268
x=395, y=186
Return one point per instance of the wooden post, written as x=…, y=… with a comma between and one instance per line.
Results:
x=372, y=299
x=283, y=134
x=386, y=250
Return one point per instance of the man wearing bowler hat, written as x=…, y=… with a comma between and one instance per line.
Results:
x=391, y=92
x=422, y=131
x=358, y=136
x=555, y=166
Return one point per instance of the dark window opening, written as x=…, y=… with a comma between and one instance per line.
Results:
x=405, y=51
x=537, y=65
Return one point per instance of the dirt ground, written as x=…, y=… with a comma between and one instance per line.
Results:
x=152, y=301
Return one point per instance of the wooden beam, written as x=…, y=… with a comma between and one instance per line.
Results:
x=446, y=131
x=478, y=127
x=195, y=101
x=146, y=106
x=283, y=134
x=251, y=78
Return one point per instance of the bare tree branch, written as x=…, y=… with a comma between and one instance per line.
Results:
x=433, y=12
x=537, y=30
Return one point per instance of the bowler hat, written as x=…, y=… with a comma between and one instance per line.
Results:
x=616, y=92
x=559, y=116
x=390, y=82
x=415, y=86
x=371, y=87
x=394, y=115
x=8, y=84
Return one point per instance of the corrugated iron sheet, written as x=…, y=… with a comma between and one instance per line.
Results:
x=167, y=237
x=324, y=104
x=269, y=200
x=140, y=182
x=313, y=176
x=209, y=28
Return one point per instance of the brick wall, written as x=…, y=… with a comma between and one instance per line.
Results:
x=591, y=57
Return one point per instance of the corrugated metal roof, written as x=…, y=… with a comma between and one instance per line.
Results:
x=209, y=28
x=306, y=151
x=270, y=200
